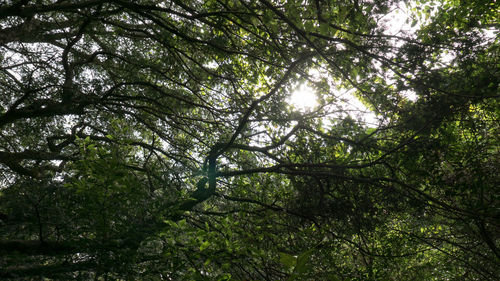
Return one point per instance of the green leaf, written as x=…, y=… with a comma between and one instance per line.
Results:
x=255, y=21
x=182, y=223
x=302, y=260
x=287, y=259
x=324, y=28
x=204, y=245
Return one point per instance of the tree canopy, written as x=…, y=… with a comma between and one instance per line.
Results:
x=156, y=140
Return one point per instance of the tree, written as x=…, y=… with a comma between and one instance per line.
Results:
x=153, y=139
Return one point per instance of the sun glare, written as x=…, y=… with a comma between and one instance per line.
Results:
x=303, y=98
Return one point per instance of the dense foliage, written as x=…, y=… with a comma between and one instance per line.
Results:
x=155, y=140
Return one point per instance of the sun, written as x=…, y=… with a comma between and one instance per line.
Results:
x=303, y=98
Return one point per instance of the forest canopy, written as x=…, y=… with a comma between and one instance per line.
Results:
x=156, y=140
